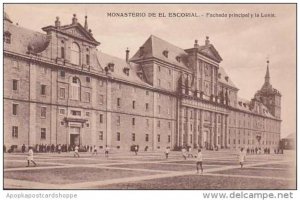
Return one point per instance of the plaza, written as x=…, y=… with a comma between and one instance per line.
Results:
x=149, y=170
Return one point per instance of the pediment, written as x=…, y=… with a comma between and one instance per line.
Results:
x=78, y=31
x=211, y=52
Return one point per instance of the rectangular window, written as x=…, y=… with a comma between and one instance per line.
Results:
x=169, y=138
x=87, y=97
x=62, y=93
x=158, y=123
x=158, y=138
x=158, y=107
x=133, y=121
x=61, y=111
x=101, y=99
x=43, y=133
x=7, y=37
x=88, y=79
x=43, y=112
x=191, y=139
x=87, y=114
x=147, y=92
x=147, y=106
x=119, y=120
x=15, y=85
x=101, y=118
x=158, y=82
x=158, y=68
x=170, y=72
x=14, y=132
x=169, y=125
x=43, y=89
x=147, y=122
x=101, y=135
x=15, y=109
x=75, y=113
x=133, y=104
x=87, y=59
x=62, y=73
x=119, y=102
x=62, y=52
x=118, y=136
x=133, y=137
x=147, y=138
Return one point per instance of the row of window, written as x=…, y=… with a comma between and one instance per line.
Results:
x=78, y=113
x=133, y=137
x=15, y=132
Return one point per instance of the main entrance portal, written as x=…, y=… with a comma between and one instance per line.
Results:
x=74, y=136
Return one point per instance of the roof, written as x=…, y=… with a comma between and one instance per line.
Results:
x=119, y=64
x=154, y=48
x=24, y=39
x=222, y=79
x=7, y=18
x=244, y=105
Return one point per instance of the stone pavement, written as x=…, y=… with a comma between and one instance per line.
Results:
x=63, y=171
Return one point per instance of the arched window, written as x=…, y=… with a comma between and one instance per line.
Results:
x=75, y=54
x=75, y=88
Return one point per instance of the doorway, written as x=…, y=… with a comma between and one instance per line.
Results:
x=74, y=136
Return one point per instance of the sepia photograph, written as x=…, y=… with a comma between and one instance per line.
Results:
x=149, y=96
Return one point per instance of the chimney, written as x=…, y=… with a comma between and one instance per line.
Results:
x=226, y=78
x=74, y=19
x=127, y=55
x=196, y=45
x=57, y=22
x=207, y=41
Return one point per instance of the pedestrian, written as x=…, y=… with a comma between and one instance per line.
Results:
x=190, y=153
x=136, y=149
x=242, y=157
x=23, y=148
x=76, y=154
x=167, y=152
x=95, y=150
x=106, y=151
x=199, y=161
x=183, y=151
x=59, y=149
x=30, y=157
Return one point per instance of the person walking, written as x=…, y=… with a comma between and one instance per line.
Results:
x=106, y=151
x=59, y=149
x=183, y=151
x=30, y=157
x=76, y=154
x=190, y=152
x=136, y=149
x=242, y=157
x=23, y=148
x=95, y=150
x=199, y=159
x=167, y=152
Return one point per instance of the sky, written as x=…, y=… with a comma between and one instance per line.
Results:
x=244, y=43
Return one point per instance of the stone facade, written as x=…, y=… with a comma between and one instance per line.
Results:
x=59, y=89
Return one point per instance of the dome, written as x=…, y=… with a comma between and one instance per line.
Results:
x=6, y=17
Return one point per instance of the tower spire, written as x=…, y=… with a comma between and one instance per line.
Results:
x=86, y=23
x=267, y=76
